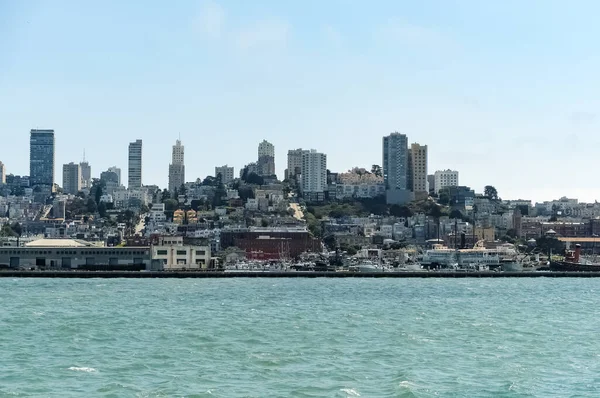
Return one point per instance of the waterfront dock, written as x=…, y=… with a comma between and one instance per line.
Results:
x=295, y=274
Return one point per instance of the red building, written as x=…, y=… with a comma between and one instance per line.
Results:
x=271, y=243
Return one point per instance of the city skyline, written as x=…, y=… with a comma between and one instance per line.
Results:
x=338, y=76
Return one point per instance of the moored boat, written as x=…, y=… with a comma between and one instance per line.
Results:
x=572, y=262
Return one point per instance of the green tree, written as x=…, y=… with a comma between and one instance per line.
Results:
x=400, y=211
x=255, y=179
x=377, y=170
x=245, y=173
x=490, y=192
x=456, y=214
x=165, y=195
x=91, y=206
x=246, y=192
x=102, y=209
x=97, y=189
x=171, y=205
x=547, y=244
x=17, y=229
x=210, y=181
x=7, y=231
x=220, y=193
x=444, y=197
x=330, y=242
x=195, y=204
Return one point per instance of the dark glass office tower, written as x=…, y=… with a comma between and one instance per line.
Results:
x=41, y=157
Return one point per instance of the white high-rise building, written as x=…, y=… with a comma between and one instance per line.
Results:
x=445, y=178
x=71, y=178
x=294, y=162
x=314, y=175
x=226, y=173
x=135, y=165
x=266, y=159
x=265, y=148
x=2, y=173
x=177, y=167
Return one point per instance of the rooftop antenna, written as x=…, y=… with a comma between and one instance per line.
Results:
x=83, y=155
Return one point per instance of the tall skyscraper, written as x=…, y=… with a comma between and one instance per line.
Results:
x=294, y=162
x=177, y=167
x=418, y=168
x=314, y=175
x=395, y=161
x=396, y=170
x=135, y=165
x=41, y=158
x=71, y=178
x=2, y=173
x=266, y=159
x=226, y=173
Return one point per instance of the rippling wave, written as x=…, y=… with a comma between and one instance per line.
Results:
x=300, y=338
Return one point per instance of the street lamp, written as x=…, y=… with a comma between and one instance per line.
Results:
x=594, y=236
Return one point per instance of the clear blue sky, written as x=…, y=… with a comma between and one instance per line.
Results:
x=506, y=92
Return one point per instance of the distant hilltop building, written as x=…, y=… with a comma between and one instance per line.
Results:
x=86, y=173
x=226, y=173
x=266, y=159
x=294, y=163
x=113, y=174
x=417, y=170
x=134, y=169
x=445, y=179
x=2, y=173
x=41, y=158
x=395, y=169
x=177, y=167
x=71, y=178
x=314, y=176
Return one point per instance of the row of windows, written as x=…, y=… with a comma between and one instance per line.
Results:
x=180, y=252
x=74, y=252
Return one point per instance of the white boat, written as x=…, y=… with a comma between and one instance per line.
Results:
x=446, y=257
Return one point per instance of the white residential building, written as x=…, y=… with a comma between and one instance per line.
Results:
x=314, y=175
x=123, y=197
x=252, y=204
x=445, y=178
x=177, y=167
x=226, y=173
x=71, y=178
x=265, y=148
x=135, y=165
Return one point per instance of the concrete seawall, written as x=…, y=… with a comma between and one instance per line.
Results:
x=217, y=274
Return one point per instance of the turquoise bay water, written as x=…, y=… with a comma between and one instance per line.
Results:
x=300, y=338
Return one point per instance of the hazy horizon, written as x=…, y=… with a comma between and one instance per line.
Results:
x=503, y=92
